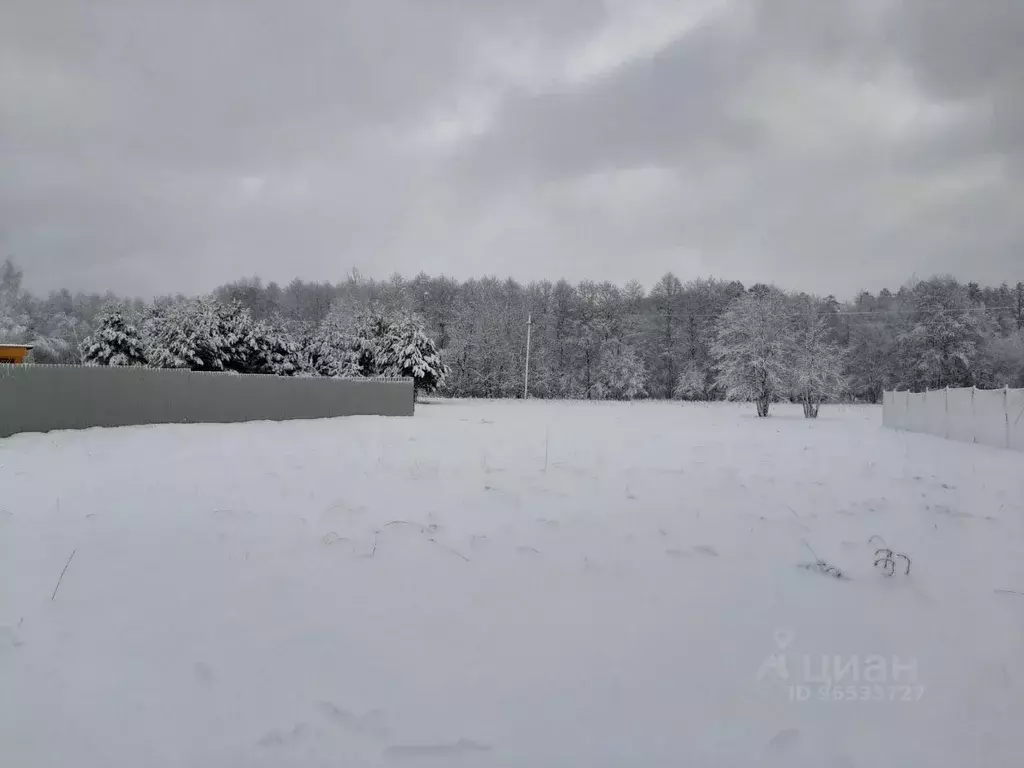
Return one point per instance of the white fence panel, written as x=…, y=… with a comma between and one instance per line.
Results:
x=992, y=417
x=935, y=412
x=888, y=410
x=917, y=415
x=1015, y=416
x=901, y=408
x=961, y=414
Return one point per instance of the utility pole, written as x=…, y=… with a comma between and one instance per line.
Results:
x=526, y=378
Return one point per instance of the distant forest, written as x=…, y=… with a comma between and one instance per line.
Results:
x=586, y=338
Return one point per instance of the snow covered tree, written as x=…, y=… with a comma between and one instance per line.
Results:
x=941, y=345
x=274, y=351
x=235, y=334
x=187, y=334
x=666, y=340
x=115, y=341
x=694, y=383
x=870, y=359
x=817, y=360
x=754, y=348
x=336, y=347
x=621, y=374
x=14, y=321
x=404, y=349
x=1001, y=363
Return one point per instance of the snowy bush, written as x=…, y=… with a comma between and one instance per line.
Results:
x=115, y=341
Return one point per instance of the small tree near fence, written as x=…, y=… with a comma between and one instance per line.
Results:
x=404, y=349
x=115, y=341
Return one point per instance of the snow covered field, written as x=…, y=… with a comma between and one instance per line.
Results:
x=511, y=584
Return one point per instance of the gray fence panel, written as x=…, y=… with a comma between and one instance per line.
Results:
x=40, y=398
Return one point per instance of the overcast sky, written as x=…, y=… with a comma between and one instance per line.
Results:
x=154, y=146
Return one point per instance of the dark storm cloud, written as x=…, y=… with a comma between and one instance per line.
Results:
x=155, y=147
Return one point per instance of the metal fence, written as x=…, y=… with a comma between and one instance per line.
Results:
x=39, y=398
x=988, y=416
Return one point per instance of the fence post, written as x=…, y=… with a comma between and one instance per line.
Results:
x=1006, y=412
x=974, y=417
x=947, y=412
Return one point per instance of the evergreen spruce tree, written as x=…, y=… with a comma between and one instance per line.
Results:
x=115, y=342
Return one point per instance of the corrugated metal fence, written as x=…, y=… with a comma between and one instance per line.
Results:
x=39, y=398
x=989, y=416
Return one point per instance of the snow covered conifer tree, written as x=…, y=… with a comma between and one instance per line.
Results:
x=337, y=346
x=115, y=341
x=404, y=349
x=235, y=333
x=187, y=334
x=275, y=351
x=817, y=361
x=754, y=348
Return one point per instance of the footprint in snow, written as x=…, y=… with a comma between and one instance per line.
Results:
x=278, y=738
x=783, y=742
x=461, y=747
x=203, y=672
x=372, y=724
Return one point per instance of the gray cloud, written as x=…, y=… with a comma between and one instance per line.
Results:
x=155, y=147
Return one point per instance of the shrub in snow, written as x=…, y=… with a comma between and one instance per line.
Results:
x=115, y=341
x=753, y=349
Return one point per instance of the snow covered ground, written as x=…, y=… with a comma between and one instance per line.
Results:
x=511, y=584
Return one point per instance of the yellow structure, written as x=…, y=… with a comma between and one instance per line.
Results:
x=14, y=353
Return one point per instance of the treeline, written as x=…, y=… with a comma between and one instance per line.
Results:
x=592, y=340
